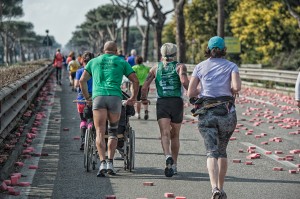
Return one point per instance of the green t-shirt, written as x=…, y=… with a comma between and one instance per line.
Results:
x=141, y=72
x=107, y=71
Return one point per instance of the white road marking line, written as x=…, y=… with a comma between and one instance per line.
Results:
x=258, y=100
x=272, y=156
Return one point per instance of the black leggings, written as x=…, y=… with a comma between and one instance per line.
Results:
x=58, y=74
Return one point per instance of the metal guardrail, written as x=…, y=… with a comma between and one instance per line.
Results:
x=278, y=76
x=16, y=97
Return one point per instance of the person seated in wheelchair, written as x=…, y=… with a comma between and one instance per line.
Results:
x=126, y=112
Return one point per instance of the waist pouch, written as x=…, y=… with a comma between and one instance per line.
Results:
x=218, y=106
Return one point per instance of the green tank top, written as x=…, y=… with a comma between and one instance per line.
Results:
x=167, y=80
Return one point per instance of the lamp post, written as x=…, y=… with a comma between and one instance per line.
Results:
x=47, y=36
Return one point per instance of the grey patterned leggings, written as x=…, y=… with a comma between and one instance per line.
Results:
x=216, y=131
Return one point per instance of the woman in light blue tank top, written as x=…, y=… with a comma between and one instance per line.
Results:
x=216, y=82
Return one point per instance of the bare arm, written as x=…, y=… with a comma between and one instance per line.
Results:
x=193, y=90
x=83, y=84
x=235, y=83
x=182, y=71
x=135, y=85
x=147, y=83
x=76, y=83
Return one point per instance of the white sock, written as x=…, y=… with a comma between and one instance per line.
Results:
x=167, y=156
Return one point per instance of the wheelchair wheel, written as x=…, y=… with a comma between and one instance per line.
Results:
x=85, y=151
x=131, y=149
x=94, y=151
x=88, y=149
x=126, y=156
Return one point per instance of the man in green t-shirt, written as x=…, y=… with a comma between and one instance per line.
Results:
x=107, y=71
x=141, y=72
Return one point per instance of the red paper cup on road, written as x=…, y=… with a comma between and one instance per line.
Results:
x=169, y=195
x=7, y=182
x=33, y=167
x=24, y=184
x=20, y=164
x=14, y=180
x=293, y=171
x=248, y=163
x=110, y=197
x=76, y=138
x=236, y=161
x=148, y=183
x=3, y=186
x=264, y=143
x=277, y=169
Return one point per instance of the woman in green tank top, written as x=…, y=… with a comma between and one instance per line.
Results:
x=169, y=77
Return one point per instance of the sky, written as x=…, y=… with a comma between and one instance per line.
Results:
x=61, y=17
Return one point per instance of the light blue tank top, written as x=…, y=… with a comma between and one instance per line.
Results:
x=215, y=77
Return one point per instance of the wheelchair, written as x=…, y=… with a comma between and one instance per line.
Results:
x=126, y=139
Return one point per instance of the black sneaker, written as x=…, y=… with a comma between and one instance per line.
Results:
x=216, y=194
x=146, y=117
x=82, y=146
x=169, y=172
x=223, y=195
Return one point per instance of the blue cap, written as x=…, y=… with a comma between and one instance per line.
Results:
x=216, y=42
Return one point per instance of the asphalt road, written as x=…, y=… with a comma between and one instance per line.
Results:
x=61, y=175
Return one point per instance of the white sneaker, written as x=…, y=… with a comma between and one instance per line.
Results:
x=102, y=169
x=110, y=168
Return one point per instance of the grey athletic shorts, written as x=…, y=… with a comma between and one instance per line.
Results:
x=170, y=107
x=112, y=103
x=216, y=131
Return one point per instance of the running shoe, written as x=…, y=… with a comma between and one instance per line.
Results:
x=216, y=194
x=174, y=167
x=82, y=146
x=223, y=195
x=146, y=116
x=169, y=172
x=110, y=169
x=102, y=169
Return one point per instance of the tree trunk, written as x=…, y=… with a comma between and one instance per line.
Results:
x=23, y=59
x=221, y=17
x=145, y=43
x=126, y=36
x=180, y=34
x=5, y=47
x=157, y=41
x=122, y=32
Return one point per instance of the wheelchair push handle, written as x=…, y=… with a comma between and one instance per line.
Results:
x=81, y=101
x=124, y=102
